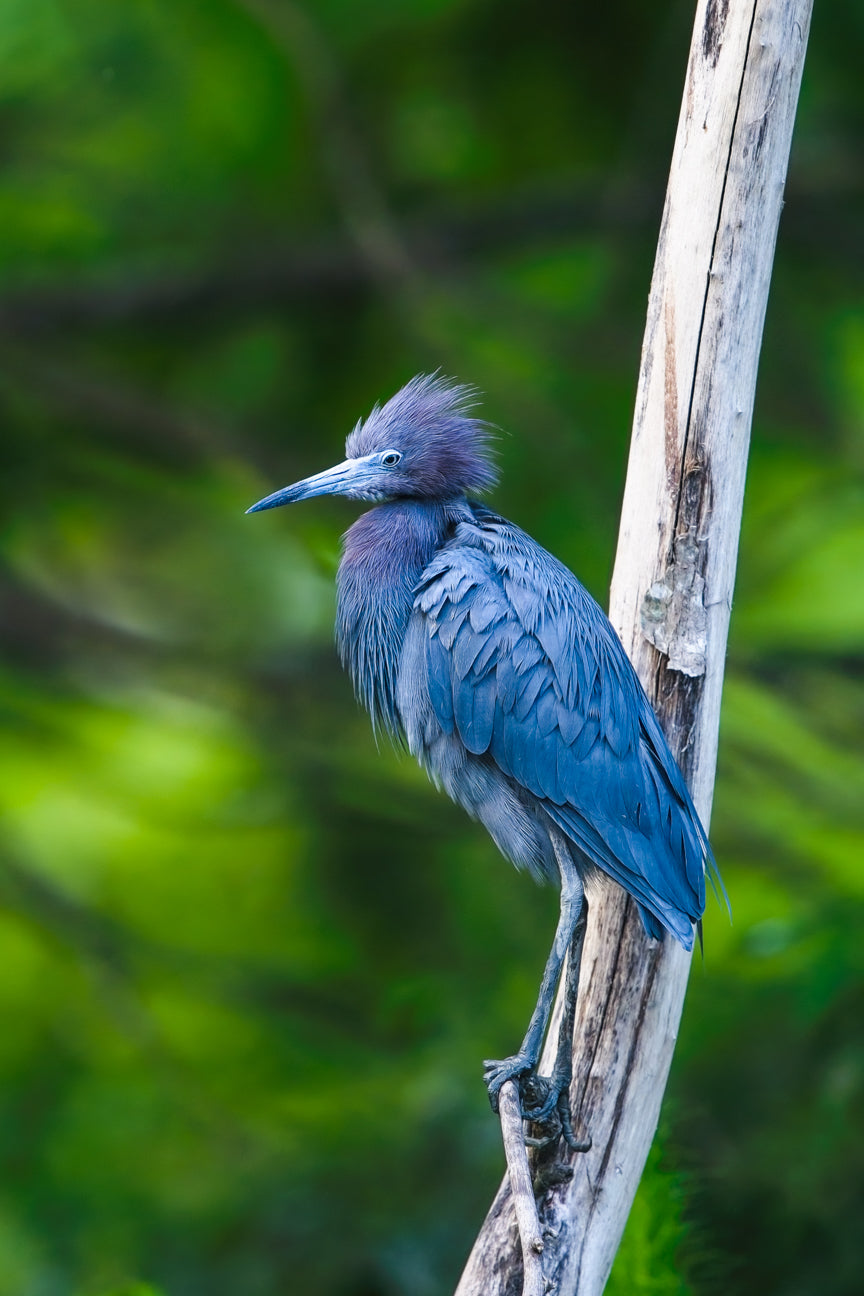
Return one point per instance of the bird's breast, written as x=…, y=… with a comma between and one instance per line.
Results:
x=384, y=554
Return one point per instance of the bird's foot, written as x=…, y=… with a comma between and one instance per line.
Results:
x=544, y=1100
x=546, y=1106
x=496, y=1073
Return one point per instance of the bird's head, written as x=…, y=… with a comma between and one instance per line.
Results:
x=424, y=443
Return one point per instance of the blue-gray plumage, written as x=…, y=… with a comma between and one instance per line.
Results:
x=471, y=643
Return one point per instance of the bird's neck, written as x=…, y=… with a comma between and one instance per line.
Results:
x=384, y=555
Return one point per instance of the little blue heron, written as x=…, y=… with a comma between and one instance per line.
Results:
x=487, y=658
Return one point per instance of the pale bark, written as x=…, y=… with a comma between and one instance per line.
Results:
x=522, y=1191
x=672, y=594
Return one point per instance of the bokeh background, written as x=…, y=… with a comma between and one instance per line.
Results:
x=248, y=965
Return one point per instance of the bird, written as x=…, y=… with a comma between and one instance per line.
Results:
x=481, y=653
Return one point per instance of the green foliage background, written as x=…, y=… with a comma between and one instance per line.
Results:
x=249, y=966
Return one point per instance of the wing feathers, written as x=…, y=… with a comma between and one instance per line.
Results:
x=524, y=665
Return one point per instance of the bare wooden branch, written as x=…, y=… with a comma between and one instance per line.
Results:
x=521, y=1188
x=672, y=592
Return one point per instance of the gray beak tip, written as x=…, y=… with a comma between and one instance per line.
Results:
x=272, y=501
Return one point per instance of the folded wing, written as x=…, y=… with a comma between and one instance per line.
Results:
x=515, y=657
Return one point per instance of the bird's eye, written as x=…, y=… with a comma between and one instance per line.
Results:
x=391, y=458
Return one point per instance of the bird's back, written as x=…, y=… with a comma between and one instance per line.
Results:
x=516, y=694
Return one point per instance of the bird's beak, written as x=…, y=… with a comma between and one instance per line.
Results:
x=354, y=478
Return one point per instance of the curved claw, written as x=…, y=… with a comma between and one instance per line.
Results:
x=562, y=1108
x=543, y=1095
x=496, y=1073
x=545, y=1100
x=551, y=1111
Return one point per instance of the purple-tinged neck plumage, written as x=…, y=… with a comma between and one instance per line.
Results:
x=384, y=555
x=444, y=450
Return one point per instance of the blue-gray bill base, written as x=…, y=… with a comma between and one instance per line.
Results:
x=484, y=655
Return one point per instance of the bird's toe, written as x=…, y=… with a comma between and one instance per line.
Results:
x=539, y=1099
x=565, y=1117
x=498, y=1072
x=546, y=1106
x=544, y=1100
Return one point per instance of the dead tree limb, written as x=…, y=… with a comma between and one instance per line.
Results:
x=672, y=594
x=522, y=1190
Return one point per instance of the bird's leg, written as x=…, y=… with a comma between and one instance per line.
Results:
x=557, y=1100
x=572, y=896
